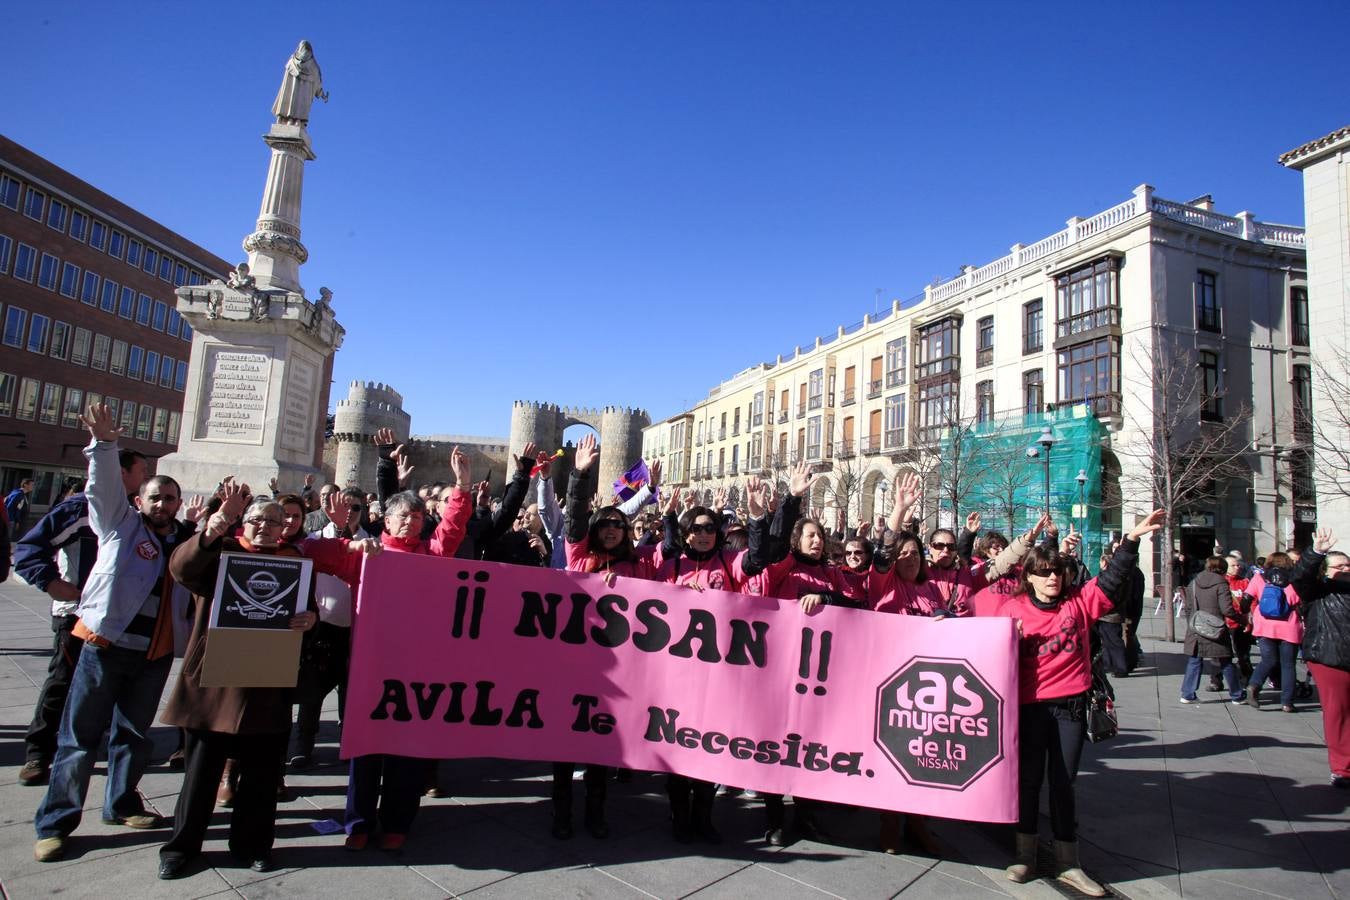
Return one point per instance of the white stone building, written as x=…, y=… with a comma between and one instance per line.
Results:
x=1070, y=321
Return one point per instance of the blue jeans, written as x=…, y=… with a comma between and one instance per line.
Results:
x=113, y=689
x=1190, y=682
x=1276, y=652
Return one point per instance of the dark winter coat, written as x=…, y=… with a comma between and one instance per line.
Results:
x=1324, y=604
x=1209, y=593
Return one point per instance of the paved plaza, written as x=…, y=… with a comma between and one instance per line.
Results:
x=1198, y=801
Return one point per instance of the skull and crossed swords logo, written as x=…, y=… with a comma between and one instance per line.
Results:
x=261, y=596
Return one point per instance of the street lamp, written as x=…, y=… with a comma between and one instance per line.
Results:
x=1081, y=478
x=884, y=511
x=1041, y=450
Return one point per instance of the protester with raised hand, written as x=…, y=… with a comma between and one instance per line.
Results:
x=1054, y=621
x=132, y=619
x=1277, y=627
x=1325, y=610
x=247, y=725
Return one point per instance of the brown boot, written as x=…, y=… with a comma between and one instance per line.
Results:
x=1023, y=867
x=1069, y=872
x=229, y=783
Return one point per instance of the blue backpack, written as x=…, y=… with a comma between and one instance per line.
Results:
x=1273, y=603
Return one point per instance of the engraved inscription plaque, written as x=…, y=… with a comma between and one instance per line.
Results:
x=297, y=407
x=232, y=408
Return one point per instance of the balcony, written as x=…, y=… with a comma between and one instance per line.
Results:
x=757, y=420
x=849, y=398
x=815, y=402
x=871, y=444
x=895, y=378
x=1102, y=317
x=782, y=416
x=1209, y=318
x=801, y=410
x=895, y=437
x=736, y=430
x=722, y=433
x=874, y=389
x=813, y=451
x=984, y=357
x=845, y=450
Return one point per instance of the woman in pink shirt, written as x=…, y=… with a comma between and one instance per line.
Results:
x=1054, y=619
x=1278, y=637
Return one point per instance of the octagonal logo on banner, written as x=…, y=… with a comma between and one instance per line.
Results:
x=939, y=722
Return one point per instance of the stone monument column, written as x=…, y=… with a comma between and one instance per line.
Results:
x=259, y=372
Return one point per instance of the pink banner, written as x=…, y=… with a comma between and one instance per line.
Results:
x=454, y=658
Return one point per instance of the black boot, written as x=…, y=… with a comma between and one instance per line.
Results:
x=562, y=801
x=597, y=778
x=681, y=814
x=703, y=793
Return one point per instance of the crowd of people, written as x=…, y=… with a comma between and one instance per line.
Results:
x=131, y=569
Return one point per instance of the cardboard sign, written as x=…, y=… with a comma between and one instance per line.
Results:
x=455, y=658
x=249, y=642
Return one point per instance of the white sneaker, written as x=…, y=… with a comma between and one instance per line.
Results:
x=1184, y=700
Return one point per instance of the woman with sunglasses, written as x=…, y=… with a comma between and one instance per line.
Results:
x=249, y=725
x=599, y=542
x=1054, y=620
x=695, y=554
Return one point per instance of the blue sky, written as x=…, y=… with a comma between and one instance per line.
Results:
x=625, y=202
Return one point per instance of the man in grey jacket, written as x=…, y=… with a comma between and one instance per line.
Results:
x=132, y=617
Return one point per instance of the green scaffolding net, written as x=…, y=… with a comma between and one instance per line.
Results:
x=990, y=468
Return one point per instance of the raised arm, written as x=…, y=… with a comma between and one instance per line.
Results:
x=549, y=511
x=387, y=455
x=514, y=497
x=578, y=484
x=965, y=542
x=1115, y=578
x=107, y=494
x=1307, y=575
x=458, y=507
x=908, y=490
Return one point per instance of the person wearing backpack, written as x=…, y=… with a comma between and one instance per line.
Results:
x=1277, y=628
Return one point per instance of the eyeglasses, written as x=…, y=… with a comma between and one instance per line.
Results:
x=939, y=545
x=855, y=552
x=262, y=522
x=703, y=528
x=1047, y=571
x=611, y=523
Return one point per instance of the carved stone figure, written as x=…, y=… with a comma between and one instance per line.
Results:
x=241, y=280
x=322, y=305
x=213, y=303
x=301, y=82
x=259, y=306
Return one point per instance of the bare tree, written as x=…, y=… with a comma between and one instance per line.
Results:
x=963, y=463
x=1007, y=472
x=844, y=486
x=1188, y=446
x=1326, y=427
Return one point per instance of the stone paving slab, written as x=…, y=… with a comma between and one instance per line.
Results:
x=1202, y=800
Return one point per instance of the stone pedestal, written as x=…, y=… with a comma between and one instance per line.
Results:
x=257, y=389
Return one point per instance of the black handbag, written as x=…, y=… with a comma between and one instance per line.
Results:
x=1100, y=706
x=1208, y=626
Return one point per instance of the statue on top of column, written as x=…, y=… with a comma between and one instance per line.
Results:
x=301, y=82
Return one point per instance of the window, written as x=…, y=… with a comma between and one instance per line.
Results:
x=160, y=426
x=33, y=202
x=179, y=375
x=79, y=346
x=9, y=192
x=150, y=260
x=1211, y=403
x=47, y=270
x=173, y=324
x=757, y=410
x=1207, y=302
x=735, y=458
x=874, y=382
x=126, y=307
x=60, y=344
x=15, y=320
x=108, y=298
x=813, y=437
x=171, y=436
x=166, y=372
x=98, y=235
x=79, y=225
x=984, y=341
x=70, y=280
x=134, y=360
x=6, y=248
x=118, y=361
x=117, y=244
x=56, y=215
x=815, y=385
x=937, y=409
x=896, y=353
x=98, y=359
x=143, y=310
x=128, y=421
x=195, y=278
x=70, y=412
x=160, y=316
x=1298, y=315
x=92, y=398
x=1088, y=298
x=1302, y=385
x=28, y=398
x=755, y=460
x=895, y=421
x=39, y=329
x=185, y=330
x=937, y=352
x=51, y=404
x=114, y=407
x=8, y=383
x=25, y=263
x=89, y=289
x=165, y=269
x=1033, y=327
x=984, y=401
x=179, y=274
x=151, y=366
x=1090, y=373
x=736, y=422
x=134, y=253
x=1033, y=392
x=851, y=385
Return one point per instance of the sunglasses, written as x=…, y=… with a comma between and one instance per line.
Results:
x=611, y=523
x=257, y=522
x=703, y=528
x=1047, y=571
x=937, y=545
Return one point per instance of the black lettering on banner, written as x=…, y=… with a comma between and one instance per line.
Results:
x=538, y=614
x=525, y=710
x=657, y=635
x=793, y=751
x=395, y=698
x=702, y=628
x=611, y=608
